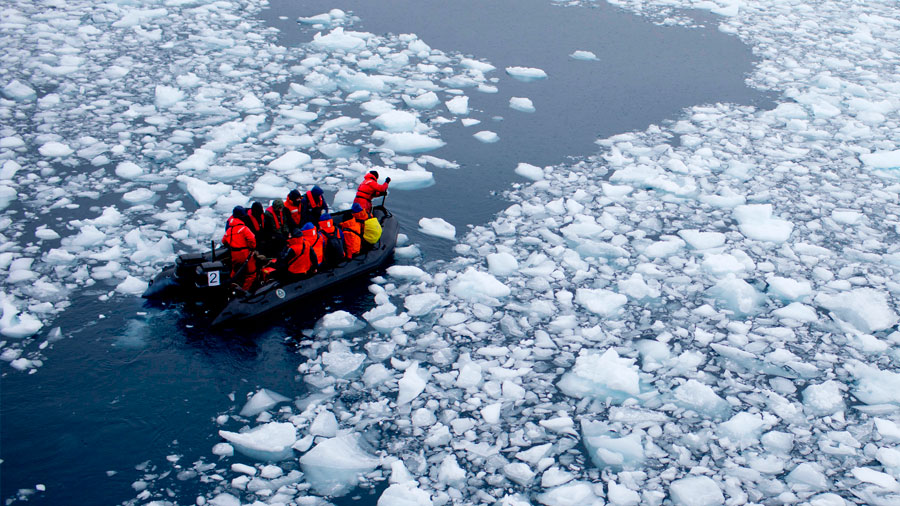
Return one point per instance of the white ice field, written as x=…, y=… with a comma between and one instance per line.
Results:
x=708, y=321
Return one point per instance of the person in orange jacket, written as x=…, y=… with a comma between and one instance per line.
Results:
x=353, y=228
x=334, y=240
x=297, y=260
x=241, y=244
x=369, y=189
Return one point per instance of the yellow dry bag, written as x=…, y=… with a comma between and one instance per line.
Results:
x=372, y=231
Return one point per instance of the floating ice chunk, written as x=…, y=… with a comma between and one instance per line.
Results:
x=262, y=400
x=340, y=361
x=888, y=430
x=427, y=100
x=437, y=227
x=407, y=142
x=491, y=413
x=411, y=384
x=132, y=286
x=396, y=121
x=867, y=309
x=224, y=499
x=874, y=386
x=882, y=159
x=486, y=136
x=406, y=493
x=467, y=122
x=744, y=428
x=250, y=103
x=576, y=493
x=199, y=160
x=334, y=465
x=271, y=441
x=521, y=104
x=325, y=424
x=203, y=193
x=529, y=171
x=755, y=221
x=824, y=399
x=337, y=40
x=601, y=302
x=519, y=472
x=128, y=170
x=502, y=264
x=797, y=311
x=701, y=398
x=809, y=475
x=139, y=195
x=736, y=295
x=869, y=475
x=478, y=286
x=167, y=96
x=376, y=374
x=583, y=55
x=19, y=91
x=338, y=322
x=702, y=240
x=458, y=105
x=696, y=491
x=290, y=161
x=601, y=377
x=408, y=179
x=450, y=473
x=620, y=495
x=526, y=74
x=638, y=289
x=477, y=65
x=788, y=289
x=55, y=149
x=16, y=325
x=420, y=304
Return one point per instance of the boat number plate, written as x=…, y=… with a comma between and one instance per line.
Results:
x=213, y=278
x=279, y=293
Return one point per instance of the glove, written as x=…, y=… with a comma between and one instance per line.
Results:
x=387, y=181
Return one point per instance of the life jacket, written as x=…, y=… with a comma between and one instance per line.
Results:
x=368, y=190
x=315, y=244
x=311, y=208
x=255, y=224
x=294, y=210
x=276, y=217
x=353, y=233
x=334, y=240
x=301, y=263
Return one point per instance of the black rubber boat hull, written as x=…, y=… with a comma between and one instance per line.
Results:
x=170, y=285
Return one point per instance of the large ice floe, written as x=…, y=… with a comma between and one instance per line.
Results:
x=702, y=313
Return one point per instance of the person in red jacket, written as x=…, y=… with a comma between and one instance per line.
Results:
x=369, y=189
x=241, y=244
x=274, y=229
x=353, y=228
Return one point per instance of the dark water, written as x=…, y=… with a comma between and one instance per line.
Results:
x=645, y=74
x=143, y=382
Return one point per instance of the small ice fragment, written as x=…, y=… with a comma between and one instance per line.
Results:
x=526, y=74
x=437, y=227
x=521, y=104
x=529, y=171
x=271, y=441
x=486, y=136
x=583, y=55
x=696, y=491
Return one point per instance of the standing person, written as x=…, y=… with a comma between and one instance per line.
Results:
x=369, y=189
x=241, y=245
x=334, y=240
x=353, y=228
x=312, y=206
x=274, y=228
x=292, y=210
